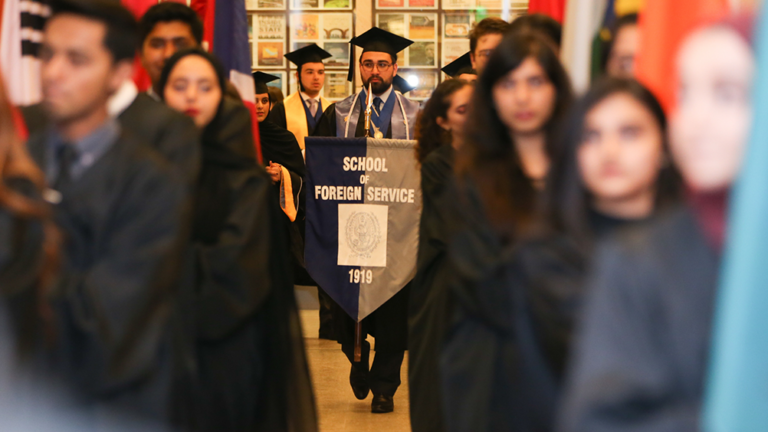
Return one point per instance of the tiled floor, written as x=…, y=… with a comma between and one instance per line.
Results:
x=338, y=409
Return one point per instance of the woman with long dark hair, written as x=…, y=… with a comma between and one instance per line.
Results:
x=612, y=172
x=237, y=299
x=440, y=129
x=640, y=359
x=28, y=238
x=517, y=107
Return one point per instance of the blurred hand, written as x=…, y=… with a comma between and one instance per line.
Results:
x=275, y=171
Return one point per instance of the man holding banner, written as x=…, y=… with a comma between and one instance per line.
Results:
x=363, y=213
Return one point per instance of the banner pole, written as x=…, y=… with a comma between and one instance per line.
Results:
x=358, y=341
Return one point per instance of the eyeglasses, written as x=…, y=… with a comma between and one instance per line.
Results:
x=485, y=53
x=382, y=66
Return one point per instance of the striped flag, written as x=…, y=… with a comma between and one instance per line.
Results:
x=553, y=8
x=363, y=208
x=226, y=35
x=737, y=389
x=663, y=25
x=582, y=22
x=20, y=37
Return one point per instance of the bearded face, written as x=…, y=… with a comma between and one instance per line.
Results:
x=377, y=70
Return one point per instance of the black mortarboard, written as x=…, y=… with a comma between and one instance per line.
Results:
x=308, y=54
x=376, y=40
x=462, y=65
x=261, y=79
x=401, y=84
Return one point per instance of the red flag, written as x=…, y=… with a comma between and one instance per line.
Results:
x=553, y=8
x=663, y=26
x=138, y=7
x=18, y=122
x=255, y=126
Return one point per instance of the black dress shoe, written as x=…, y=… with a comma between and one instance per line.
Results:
x=359, y=382
x=382, y=404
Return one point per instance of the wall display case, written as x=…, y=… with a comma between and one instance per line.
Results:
x=439, y=29
x=281, y=26
x=420, y=28
x=313, y=5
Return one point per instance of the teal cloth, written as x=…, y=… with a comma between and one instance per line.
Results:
x=737, y=386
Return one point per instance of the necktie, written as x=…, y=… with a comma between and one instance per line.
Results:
x=66, y=156
x=313, y=107
x=377, y=102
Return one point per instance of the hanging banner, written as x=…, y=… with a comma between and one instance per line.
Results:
x=362, y=224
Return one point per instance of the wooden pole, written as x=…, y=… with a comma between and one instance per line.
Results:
x=358, y=341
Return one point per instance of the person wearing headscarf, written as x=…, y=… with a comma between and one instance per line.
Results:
x=237, y=303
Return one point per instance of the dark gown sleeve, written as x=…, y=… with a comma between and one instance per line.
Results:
x=181, y=141
x=326, y=126
x=277, y=115
x=233, y=270
x=170, y=133
x=550, y=277
x=119, y=304
x=621, y=377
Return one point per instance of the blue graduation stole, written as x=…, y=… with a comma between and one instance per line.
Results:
x=312, y=121
x=382, y=118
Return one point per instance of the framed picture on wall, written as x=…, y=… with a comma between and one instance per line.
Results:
x=305, y=27
x=264, y=5
x=457, y=25
x=422, y=54
x=458, y=4
x=269, y=27
x=392, y=22
x=269, y=54
x=422, y=4
x=337, y=26
x=425, y=82
x=336, y=86
x=420, y=28
x=298, y=5
x=406, y=4
x=339, y=54
x=280, y=83
x=452, y=50
x=267, y=35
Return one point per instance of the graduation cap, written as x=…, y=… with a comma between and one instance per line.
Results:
x=308, y=54
x=401, y=84
x=376, y=40
x=261, y=79
x=462, y=65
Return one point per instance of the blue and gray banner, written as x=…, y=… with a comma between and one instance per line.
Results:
x=363, y=210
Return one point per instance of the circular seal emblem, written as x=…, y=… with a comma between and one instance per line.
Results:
x=363, y=233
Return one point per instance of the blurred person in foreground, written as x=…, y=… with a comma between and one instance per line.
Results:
x=440, y=130
x=516, y=111
x=163, y=29
x=641, y=355
x=119, y=205
x=612, y=173
x=237, y=299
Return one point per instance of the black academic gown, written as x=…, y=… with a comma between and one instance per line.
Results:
x=170, y=133
x=277, y=116
x=430, y=302
x=640, y=358
x=251, y=369
x=278, y=145
x=389, y=323
x=120, y=223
